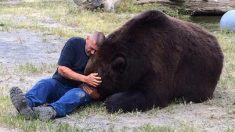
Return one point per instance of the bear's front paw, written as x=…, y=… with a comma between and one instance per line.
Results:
x=111, y=105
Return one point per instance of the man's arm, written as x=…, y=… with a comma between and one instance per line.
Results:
x=92, y=79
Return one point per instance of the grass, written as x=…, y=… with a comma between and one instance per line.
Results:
x=230, y=130
x=74, y=22
x=227, y=41
x=152, y=128
x=69, y=21
x=3, y=70
x=10, y=120
x=29, y=68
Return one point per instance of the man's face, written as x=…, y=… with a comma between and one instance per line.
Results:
x=91, y=46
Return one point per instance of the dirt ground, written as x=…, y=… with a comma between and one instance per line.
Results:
x=27, y=47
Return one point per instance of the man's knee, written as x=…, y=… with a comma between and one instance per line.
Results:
x=47, y=83
x=44, y=86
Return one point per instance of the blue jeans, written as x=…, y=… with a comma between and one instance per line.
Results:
x=62, y=98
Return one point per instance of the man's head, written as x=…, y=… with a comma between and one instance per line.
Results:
x=93, y=42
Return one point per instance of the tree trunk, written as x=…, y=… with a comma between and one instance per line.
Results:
x=198, y=7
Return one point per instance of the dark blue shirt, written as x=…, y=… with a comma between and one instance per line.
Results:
x=73, y=56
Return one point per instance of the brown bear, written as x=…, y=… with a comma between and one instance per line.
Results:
x=154, y=59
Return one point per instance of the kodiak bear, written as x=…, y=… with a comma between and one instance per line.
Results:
x=154, y=59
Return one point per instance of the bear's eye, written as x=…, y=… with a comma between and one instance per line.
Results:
x=119, y=64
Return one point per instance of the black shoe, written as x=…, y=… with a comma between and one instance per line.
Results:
x=19, y=101
x=44, y=113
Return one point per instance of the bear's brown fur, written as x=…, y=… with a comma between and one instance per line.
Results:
x=154, y=59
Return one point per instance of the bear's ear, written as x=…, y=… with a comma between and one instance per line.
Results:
x=119, y=64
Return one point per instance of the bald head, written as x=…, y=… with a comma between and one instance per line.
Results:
x=93, y=42
x=98, y=37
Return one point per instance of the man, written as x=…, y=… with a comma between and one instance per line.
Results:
x=62, y=93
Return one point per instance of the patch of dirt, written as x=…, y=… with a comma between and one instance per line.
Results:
x=12, y=2
x=3, y=129
x=23, y=46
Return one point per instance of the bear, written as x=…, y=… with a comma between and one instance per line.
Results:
x=154, y=59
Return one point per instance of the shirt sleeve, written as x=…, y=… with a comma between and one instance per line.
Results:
x=67, y=54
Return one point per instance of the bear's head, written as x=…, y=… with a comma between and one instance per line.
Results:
x=118, y=64
x=125, y=56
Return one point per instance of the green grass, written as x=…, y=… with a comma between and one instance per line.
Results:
x=230, y=130
x=29, y=68
x=3, y=70
x=227, y=42
x=65, y=13
x=152, y=128
x=8, y=117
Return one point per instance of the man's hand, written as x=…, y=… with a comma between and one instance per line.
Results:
x=92, y=79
